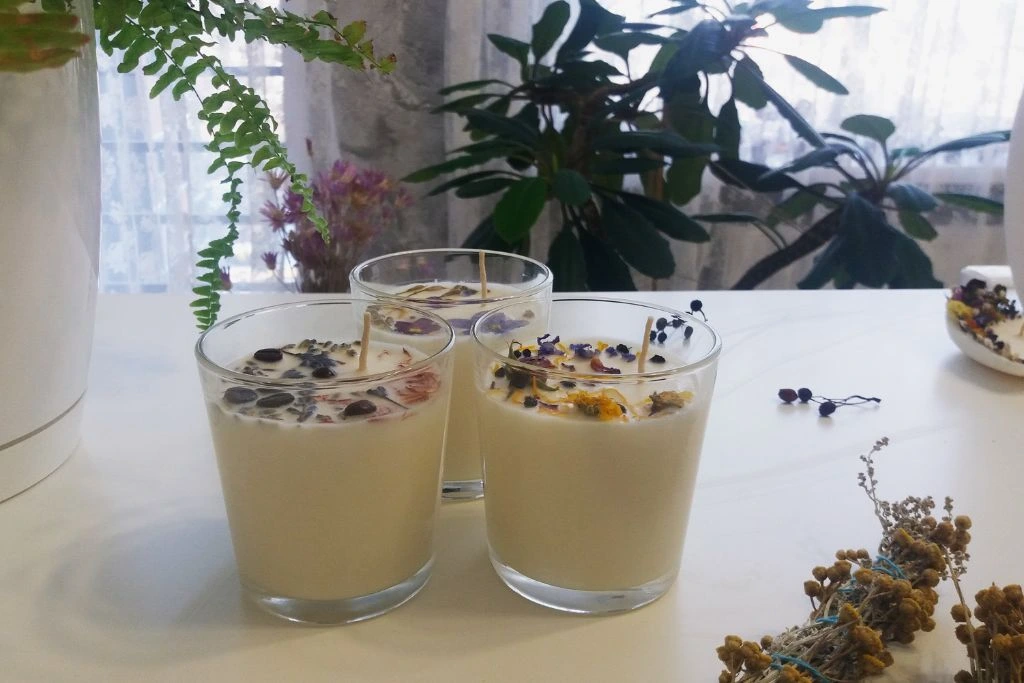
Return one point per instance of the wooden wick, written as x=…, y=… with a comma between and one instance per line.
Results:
x=364, y=344
x=483, y=275
x=646, y=346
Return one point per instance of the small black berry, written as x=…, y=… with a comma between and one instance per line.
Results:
x=567, y=384
x=804, y=394
x=239, y=395
x=696, y=305
x=530, y=401
x=622, y=348
x=275, y=400
x=654, y=335
x=787, y=395
x=657, y=359
x=662, y=337
x=688, y=332
x=500, y=372
x=527, y=353
x=677, y=322
x=661, y=324
x=361, y=407
x=323, y=372
x=826, y=408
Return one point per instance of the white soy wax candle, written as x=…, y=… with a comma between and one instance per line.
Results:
x=460, y=285
x=329, y=446
x=591, y=440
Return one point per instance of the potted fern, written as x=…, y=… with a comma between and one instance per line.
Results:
x=49, y=177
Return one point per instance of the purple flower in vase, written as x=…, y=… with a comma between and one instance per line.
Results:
x=225, y=279
x=270, y=260
x=275, y=215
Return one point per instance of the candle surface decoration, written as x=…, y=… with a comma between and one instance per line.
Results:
x=347, y=453
x=589, y=466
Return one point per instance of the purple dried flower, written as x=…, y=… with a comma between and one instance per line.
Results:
x=500, y=323
x=583, y=350
x=546, y=347
x=270, y=260
x=225, y=279
x=418, y=326
x=276, y=179
x=274, y=214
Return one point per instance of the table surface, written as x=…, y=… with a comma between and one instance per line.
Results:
x=119, y=566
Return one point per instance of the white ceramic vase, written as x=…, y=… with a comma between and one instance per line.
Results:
x=49, y=243
x=1013, y=217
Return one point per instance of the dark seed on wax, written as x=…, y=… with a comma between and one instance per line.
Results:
x=361, y=407
x=268, y=355
x=240, y=395
x=324, y=372
x=292, y=374
x=277, y=400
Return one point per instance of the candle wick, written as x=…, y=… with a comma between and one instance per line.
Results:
x=646, y=345
x=483, y=274
x=364, y=345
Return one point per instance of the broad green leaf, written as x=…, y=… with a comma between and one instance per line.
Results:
x=636, y=240
x=800, y=125
x=570, y=187
x=168, y=77
x=877, y=128
x=795, y=205
x=623, y=43
x=470, y=85
x=816, y=75
x=516, y=49
x=663, y=142
x=826, y=264
x=606, y=271
x=431, y=172
x=911, y=197
x=970, y=142
x=354, y=32
x=549, y=27
x=914, y=270
x=484, y=237
x=727, y=130
x=822, y=156
x=665, y=217
x=751, y=176
x=519, y=208
x=503, y=126
x=565, y=259
x=679, y=8
x=464, y=103
x=727, y=218
x=868, y=255
x=917, y=226
x=969, y=201
x=624, y=165
x=706, y=44
x=593, y=20
x=746, y=84
x=483, y=187
x=683, y=180
x=461, y=180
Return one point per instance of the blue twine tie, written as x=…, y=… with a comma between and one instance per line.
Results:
x=779, y=660
x=887, y=566
x=827, y=620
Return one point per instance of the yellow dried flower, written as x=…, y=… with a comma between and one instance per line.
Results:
x=959, y=310
x=596, y=405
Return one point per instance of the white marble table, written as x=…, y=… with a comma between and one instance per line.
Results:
x=119, y=566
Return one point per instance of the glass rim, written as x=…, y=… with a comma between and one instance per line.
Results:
x=548, y=277
x=209, y=364
x=710, y=357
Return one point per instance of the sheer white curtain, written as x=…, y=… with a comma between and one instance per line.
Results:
x=159, y=206
x=939, y=68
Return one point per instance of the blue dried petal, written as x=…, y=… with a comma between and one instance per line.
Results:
x=582, y=350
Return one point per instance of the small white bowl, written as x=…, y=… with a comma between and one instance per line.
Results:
x=977, y=351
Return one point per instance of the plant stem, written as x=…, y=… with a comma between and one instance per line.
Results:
x=819, y=235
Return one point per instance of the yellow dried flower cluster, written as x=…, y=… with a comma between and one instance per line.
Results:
x=995, y=647
x=597, y=404
x=862, y=602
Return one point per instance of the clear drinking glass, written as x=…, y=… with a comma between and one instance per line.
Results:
x=448, y=281
x=329, y=469
x=589, y=460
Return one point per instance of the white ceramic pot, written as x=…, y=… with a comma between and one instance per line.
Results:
x=1013, y=217
x=49, y=243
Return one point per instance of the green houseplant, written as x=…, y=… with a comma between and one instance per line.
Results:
x=173, y=38
x=616, y=151
x=862, y=195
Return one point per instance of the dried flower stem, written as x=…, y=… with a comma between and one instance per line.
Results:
x=364, y=343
